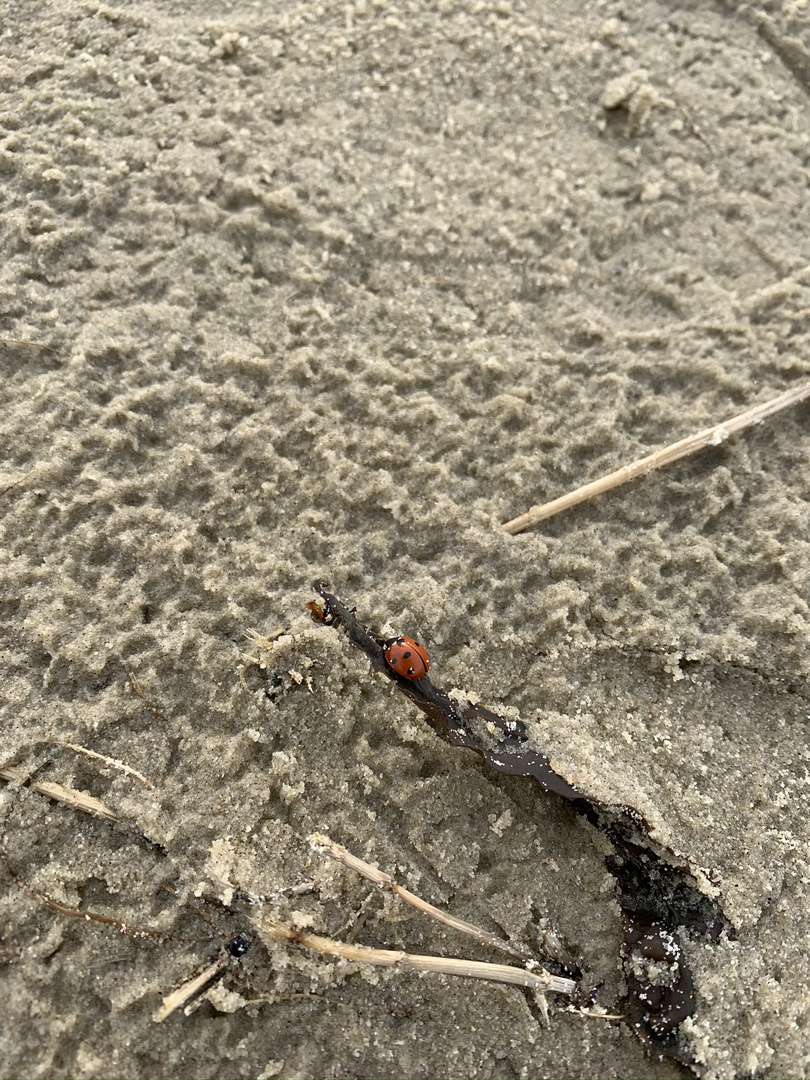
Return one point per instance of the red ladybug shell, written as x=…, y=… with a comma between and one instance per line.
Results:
x=407, y=657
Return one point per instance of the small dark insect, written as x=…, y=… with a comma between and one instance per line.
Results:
x=238, y=946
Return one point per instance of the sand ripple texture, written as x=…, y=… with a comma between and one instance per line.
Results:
x=332, y=290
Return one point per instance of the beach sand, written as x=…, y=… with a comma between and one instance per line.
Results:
x=332, y=291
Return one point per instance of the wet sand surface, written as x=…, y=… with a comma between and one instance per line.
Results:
x=332, y=291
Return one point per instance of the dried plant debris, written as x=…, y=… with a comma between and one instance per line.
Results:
x=662, y=895
x=712, y=436
x=207, y=982
x=532, y=976
x=191, y=994
x=551, y=944
x=22, y=780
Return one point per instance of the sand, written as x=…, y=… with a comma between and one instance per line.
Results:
x=331, y=291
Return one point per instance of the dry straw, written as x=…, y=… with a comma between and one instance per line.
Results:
x=712, y=436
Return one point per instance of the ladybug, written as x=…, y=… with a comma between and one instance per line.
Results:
x=407, y=657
